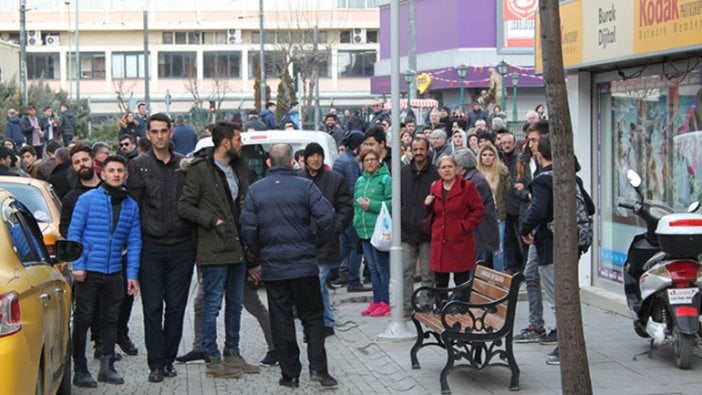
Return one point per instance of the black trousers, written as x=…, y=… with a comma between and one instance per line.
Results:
x=305, y=296
x=514, y=249
x=164, y=278
x=125, y=312
x=109, y=289
x=441, y=280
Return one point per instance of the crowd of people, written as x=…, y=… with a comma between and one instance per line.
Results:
x=148, y=217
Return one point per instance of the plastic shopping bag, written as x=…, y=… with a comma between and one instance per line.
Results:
x=382, y=233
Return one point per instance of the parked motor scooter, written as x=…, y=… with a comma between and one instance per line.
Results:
x=663, y=275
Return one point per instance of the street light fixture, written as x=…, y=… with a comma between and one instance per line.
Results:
x=515, y=82
x=502, y=70
x=409, y=78
x=462, y=70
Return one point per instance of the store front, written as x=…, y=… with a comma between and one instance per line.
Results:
x=635, y=82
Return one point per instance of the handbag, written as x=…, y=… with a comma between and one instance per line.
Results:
x=382, y=233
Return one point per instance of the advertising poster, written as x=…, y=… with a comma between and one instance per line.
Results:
x=518, y=23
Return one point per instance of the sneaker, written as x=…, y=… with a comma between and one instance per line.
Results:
x=218, y=369
x=235, y=360
x=328, y=331
x=271, y=359
x=553, y=358
x=339, y=282
x=383, y=310
x=551, y=338
x=191, y=356
x=372, y=306
x=531, y=334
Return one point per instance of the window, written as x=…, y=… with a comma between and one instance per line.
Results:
x=92, y=66
x=255, y=61
x=300, y=37
x=167, y=38
x=190, y=38
x=222, y=64
x=305, y=61
x=180, y=38
x=194, y=38
x=269, y=37
x=176, y=65
x=356, y=63
x=43, y=66
x=211, y=38
x=372, y=36
x=127, y=65
x=24, y=233
x=357, y=4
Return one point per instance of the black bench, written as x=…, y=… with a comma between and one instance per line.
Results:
x=478, y=331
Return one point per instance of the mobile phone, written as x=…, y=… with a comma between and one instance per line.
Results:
x=361, y=200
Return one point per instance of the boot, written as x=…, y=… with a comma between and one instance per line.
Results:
x=108, y=374
x=126, y=344
x=81, y=376
x=236, y=361
x=218, y=369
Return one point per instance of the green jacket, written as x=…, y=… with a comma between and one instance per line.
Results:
x=378, y=188
x=204, y=199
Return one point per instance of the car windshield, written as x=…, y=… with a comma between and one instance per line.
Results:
x=32, y=197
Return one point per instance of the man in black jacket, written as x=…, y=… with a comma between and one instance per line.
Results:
x=416, y=180
x=334, y=188
x=168, y=246
x=516, y=203
x=284, y=219
x=212, y=195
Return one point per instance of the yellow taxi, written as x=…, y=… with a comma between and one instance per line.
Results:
x=41, y=200
x=35, y=305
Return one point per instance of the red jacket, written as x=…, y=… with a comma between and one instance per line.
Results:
x=452, y=245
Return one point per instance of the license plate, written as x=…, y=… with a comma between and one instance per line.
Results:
x=682, y=295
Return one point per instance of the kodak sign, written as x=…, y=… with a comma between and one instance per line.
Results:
x=655, y=12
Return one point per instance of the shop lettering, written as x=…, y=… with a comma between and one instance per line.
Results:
x=607, y=16
x=691, y=9
x=653, y=12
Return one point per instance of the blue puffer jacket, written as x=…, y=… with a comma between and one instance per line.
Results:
x=284, y=219
x=91, y=224
x=347, y=166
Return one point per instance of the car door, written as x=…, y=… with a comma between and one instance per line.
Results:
x=48, y=322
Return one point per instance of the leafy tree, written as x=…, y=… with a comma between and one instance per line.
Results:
x=286, y=94
x=257, y=91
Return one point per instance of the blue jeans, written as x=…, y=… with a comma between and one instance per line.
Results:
x=324, y=270
x=533, y=287
x=498, y=257
x=379, y=268
x=222, y=281
x=349, y=241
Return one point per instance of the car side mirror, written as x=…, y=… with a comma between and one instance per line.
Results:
x=68, y=250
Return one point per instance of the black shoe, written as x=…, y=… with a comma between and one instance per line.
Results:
x=328, y=331
x=340, y=281
x=271, y=359
x=125, y=343
x=323, y=378
x=292, y=382
x=156, y=375
x=550, y=338
x=358, y=288
x=169, y=370
x=191, y=356
x=107, y=373
x=115, y=355
x=82, y=377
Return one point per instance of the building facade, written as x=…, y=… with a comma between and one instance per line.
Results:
x=634, y=75
x=478, y=34
x=197, y=51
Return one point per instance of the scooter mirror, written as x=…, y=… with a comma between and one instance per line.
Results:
x=694, y=206
x=634, y=178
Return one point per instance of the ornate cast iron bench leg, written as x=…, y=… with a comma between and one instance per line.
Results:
x=514, y=381
x=417, y=345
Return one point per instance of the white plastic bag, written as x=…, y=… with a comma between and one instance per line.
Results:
x=382, y=233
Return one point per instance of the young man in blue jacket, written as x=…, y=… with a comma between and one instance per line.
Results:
x=106, y=221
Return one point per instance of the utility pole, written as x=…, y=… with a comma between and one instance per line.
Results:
x=77, y=54
x=147, y=95
x=23, y=51
x=316, y=82
x=69, y=54
x=261, y=55
x=412, y=46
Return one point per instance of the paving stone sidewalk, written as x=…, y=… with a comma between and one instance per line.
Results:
x=364, y=365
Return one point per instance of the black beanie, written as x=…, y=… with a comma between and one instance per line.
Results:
x=313, y=148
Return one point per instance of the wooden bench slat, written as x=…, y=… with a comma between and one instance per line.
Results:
x=492, y=276
x=489, y=290
x=478, y=298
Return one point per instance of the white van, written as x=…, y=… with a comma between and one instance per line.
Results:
x=257, y=145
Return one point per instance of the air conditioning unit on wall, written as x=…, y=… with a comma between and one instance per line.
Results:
x=233, y=36
x=359, y=36
x=52, y=40
x=34, y=38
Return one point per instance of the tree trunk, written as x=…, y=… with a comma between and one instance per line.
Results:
x=575, y=373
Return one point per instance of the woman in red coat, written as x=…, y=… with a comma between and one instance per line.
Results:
x=458, y=211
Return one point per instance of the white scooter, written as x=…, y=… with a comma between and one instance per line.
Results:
x=663, y=275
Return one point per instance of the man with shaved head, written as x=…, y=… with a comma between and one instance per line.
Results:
x=284, y=219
